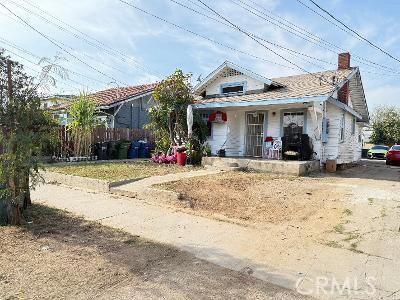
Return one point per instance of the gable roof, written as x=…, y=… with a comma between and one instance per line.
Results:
x=113, y=96
x=296, y=86
x=198, y=89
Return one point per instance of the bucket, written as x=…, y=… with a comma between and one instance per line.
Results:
x=331, y=165
x=181, y=158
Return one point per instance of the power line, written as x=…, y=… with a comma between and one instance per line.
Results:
x=317, y=40
x=58, y=46
x=201, y=36
x=256, y=36
x=353, y=31
x=36, y=64
x=258, y=42
x=38, y=57
x=85, y=37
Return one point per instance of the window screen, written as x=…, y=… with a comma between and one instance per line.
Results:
x=205, y=117
x=293, y=123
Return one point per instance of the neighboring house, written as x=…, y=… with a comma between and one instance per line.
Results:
x=125, y=107
x=329, y=107
x=122, y=107
x=57, y=105
x=55, y=100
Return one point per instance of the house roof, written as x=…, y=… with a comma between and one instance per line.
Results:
x=113, y=96
x=304, y=85
x=223, y=68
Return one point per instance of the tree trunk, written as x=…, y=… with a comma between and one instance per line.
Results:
x=27, y=193
x=13, y=214
x=171, y=128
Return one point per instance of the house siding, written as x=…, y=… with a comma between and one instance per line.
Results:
x=231, y=135
x=134, y=114
x=348, y=150
x=251, y=84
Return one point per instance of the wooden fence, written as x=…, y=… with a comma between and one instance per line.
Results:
x=100, y=135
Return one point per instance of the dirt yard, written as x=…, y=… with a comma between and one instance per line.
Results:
x=58, y=256
x=119, y=171
x=259, y=197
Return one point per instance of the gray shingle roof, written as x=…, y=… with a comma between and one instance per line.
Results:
x=296, y=86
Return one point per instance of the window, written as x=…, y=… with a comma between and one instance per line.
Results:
x=205, y=117
x=293, y=123
x=380, y=147
x=353, y=126
x=342, y=128
x=233, y=88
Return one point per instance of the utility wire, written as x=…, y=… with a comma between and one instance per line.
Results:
x=256, y=36
x=355, y=32
x=258, y=42
x=317, y=40
x=57, y=45
x=85, y=37
x=201, y=36
x=36, y=64
x=19, y=48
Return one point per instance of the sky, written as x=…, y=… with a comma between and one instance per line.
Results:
x=108, y=43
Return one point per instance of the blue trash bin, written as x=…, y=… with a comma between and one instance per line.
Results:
x=134, y=150
x=144, y=150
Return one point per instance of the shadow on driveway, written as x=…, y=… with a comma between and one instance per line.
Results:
x=369, y=169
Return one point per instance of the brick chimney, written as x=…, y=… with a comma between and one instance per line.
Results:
x=344, y=61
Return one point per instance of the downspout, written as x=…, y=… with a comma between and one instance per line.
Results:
x=323, y=145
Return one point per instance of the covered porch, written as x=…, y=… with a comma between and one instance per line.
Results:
x=251, y=129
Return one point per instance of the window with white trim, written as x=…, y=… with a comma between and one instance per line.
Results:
x=293, y=123
x=205, y=117
x=342, y=128
x=232, y=88
x=353, y=126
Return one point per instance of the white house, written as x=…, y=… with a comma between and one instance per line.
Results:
x=327, y=109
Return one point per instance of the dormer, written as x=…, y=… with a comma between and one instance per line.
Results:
x=229, y=80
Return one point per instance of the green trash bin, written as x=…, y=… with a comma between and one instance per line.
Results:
x=123, y=149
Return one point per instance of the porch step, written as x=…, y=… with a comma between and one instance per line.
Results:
x=296, y=168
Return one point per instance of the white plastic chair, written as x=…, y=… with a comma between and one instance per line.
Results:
x=275, y=150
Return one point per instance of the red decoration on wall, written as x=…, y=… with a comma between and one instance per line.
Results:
x=218, y=117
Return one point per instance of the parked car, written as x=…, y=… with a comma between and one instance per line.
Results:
x=393, y=155
x=378, y=151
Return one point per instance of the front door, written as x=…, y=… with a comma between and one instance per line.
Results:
x=254, y=134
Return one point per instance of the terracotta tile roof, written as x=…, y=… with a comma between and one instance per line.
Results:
x=295, y=86
x=60, y=107
x=115, y=95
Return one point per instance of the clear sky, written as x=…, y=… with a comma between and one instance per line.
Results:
x=137, y=48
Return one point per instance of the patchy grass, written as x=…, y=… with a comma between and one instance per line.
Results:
x=333, y=244
x=339, y=228
x=383, y=212
x=347, y=212
x=57, y=255
x=353, y=248
x=351, y=236
x=120, y=171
